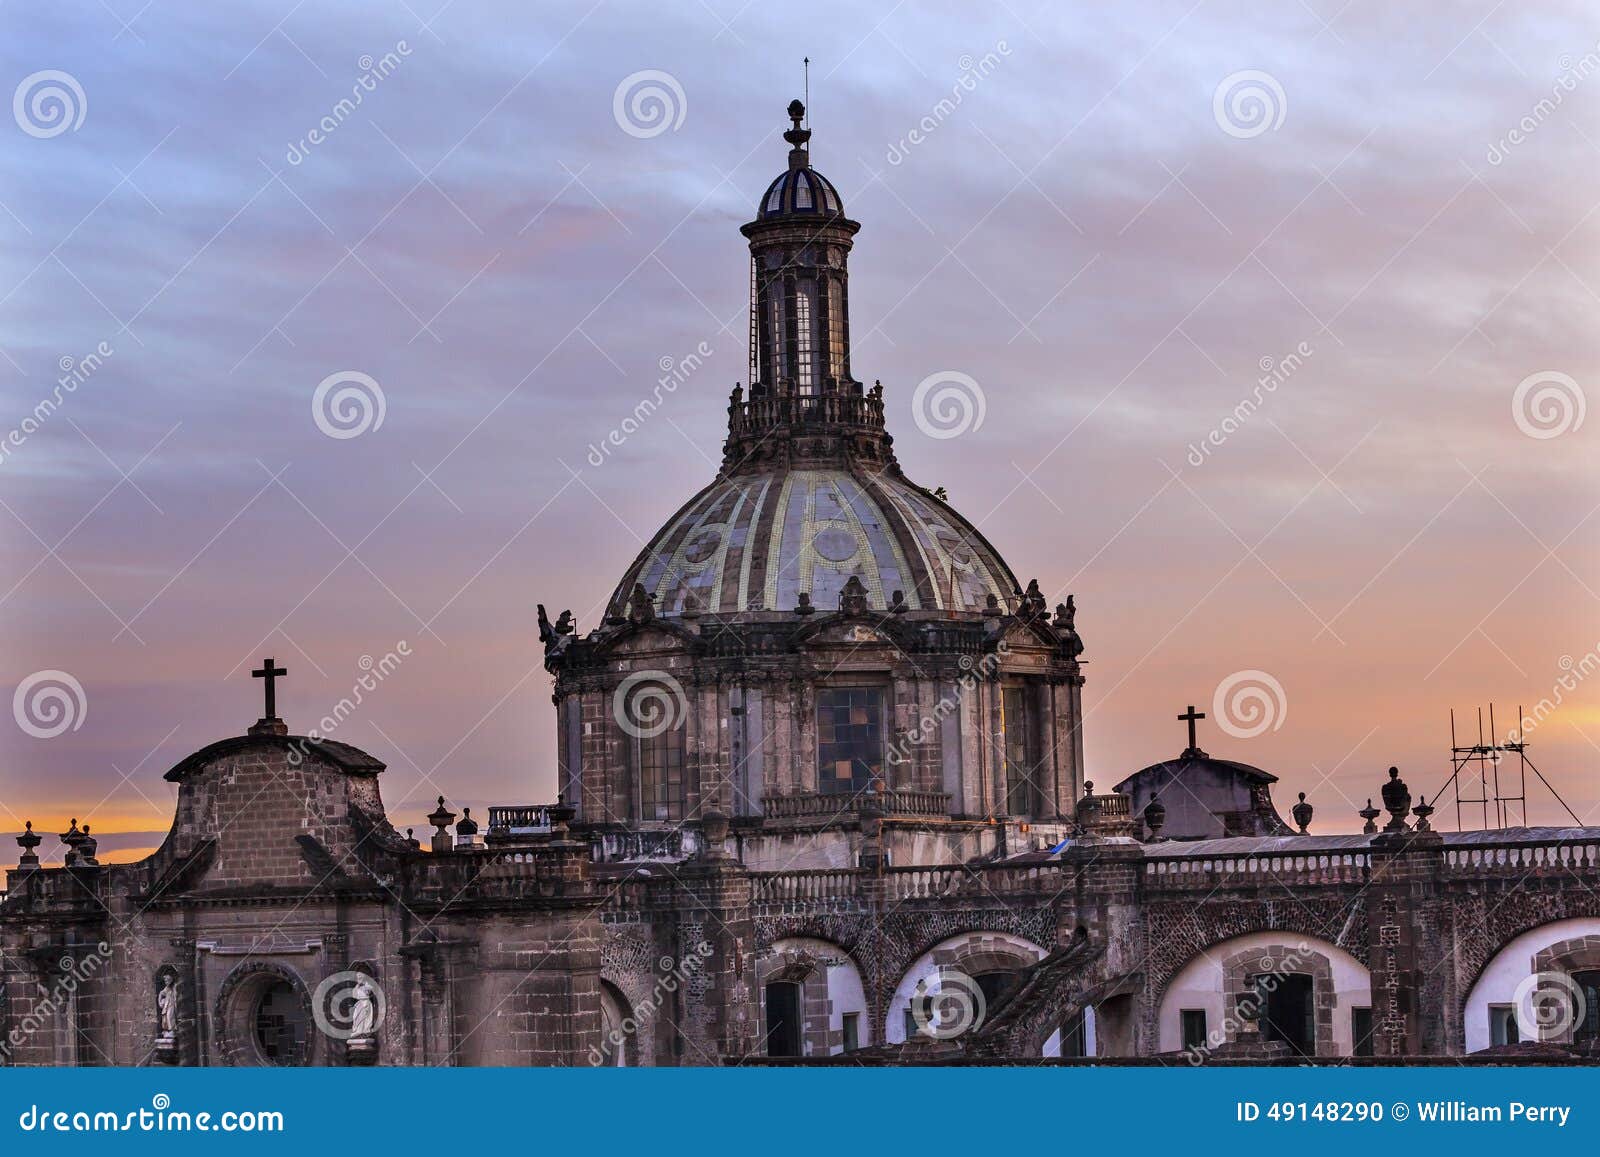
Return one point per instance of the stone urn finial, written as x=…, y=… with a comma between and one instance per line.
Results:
x=1397, y=799
x=29, y=840
x=1422, y=811
x=1370, y=814
x=1302, y=814
x=1155, y=817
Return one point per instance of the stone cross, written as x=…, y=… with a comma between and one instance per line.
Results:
x=269, y=670
x=1190, y=718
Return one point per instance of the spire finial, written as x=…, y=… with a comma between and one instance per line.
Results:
x=797, y=137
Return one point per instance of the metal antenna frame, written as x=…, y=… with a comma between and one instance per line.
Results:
x=1481, y=762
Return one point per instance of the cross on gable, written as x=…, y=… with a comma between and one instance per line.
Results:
x=269, y=670
x=1191, y=717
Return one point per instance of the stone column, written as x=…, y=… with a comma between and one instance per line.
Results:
x=1406, y=943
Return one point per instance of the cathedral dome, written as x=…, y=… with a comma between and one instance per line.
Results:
x=758, y=541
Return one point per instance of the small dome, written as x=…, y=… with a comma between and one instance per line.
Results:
x=800, y=191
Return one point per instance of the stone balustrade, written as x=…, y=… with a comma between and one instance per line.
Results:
x=1534, y=857
x=1211, y=872
x=893, y=803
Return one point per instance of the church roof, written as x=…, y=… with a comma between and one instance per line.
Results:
x=756, y=542
x=351, y=759
x=1194, y=757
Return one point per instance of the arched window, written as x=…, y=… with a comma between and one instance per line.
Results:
x=280, y=1025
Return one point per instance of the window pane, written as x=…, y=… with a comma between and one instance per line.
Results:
x=661, y=775
x=849, y=739
x=1194, y=1028
x=1020, y=793
x=802, y=336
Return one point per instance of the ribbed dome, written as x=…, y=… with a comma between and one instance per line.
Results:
x=800, y=191
x=756, y=542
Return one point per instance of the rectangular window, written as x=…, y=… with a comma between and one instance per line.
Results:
x=661, y=775
x=836, y=329
x=849, y=739
x=852, y=1031
x=1503, y=1025
x=913, y=1029
x=1020, y=788
x=777, y=334
x=1194, y=1028
x=1361, y=1031
x=803, y=351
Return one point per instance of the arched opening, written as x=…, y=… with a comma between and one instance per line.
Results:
x=1586, y=1027
x=618, y=1030
x=1542, y=986
x=1301, y=991
x=280, y=1025
x=263, y=1017
x=784, y=1031
x=953, y=987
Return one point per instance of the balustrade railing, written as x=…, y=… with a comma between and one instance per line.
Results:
x=896, y=802
x=1539, y=857
x=1234, y=871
